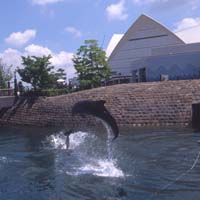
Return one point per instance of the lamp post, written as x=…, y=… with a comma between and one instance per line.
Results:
x=15, y=84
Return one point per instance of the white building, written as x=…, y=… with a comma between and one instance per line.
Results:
x=149, y=51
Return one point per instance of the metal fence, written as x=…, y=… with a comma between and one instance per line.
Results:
x=6, y=92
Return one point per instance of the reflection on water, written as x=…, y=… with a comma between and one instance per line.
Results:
x=140, y=164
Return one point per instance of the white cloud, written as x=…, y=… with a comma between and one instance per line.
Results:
x=21, y=38
x=11, y=57
x=59, y=60
x=187, y=23
x=37, y=50
x=163, y=1
x=77, y=33
x=45, y=2
x=147, y=1
x=64, y=60
x=188, y=29
x=117, y=11
x=164, y=4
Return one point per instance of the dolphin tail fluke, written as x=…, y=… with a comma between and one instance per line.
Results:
x=67, y=142
x=67, y=134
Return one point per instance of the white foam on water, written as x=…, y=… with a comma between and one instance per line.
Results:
x=104, y=168
x=3, y=159
x=58, y=141
x=88, y=165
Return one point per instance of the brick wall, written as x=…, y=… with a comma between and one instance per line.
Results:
x=143, y=104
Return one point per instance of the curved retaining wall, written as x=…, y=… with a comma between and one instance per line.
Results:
x=143, y=104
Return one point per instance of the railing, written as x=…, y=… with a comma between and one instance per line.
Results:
x=6, y=92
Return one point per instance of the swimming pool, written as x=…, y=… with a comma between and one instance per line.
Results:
x=140, y=164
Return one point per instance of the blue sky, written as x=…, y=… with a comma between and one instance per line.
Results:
x=59, y=27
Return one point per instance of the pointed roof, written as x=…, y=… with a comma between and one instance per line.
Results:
x=147, y=28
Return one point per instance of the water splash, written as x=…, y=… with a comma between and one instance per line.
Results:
x=109, y=140
x=86, y=161
x=58, y=141
x=104, y=168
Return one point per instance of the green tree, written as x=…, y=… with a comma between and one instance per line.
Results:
x=38, y=72
x=5, y=74
x=91, y=64
x=60, y=74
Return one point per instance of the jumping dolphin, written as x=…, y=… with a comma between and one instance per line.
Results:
x=97, y=109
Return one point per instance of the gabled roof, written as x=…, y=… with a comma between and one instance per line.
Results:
x=142, y=29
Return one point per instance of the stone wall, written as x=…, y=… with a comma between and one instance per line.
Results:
x=142, y=104
x=6, y=101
